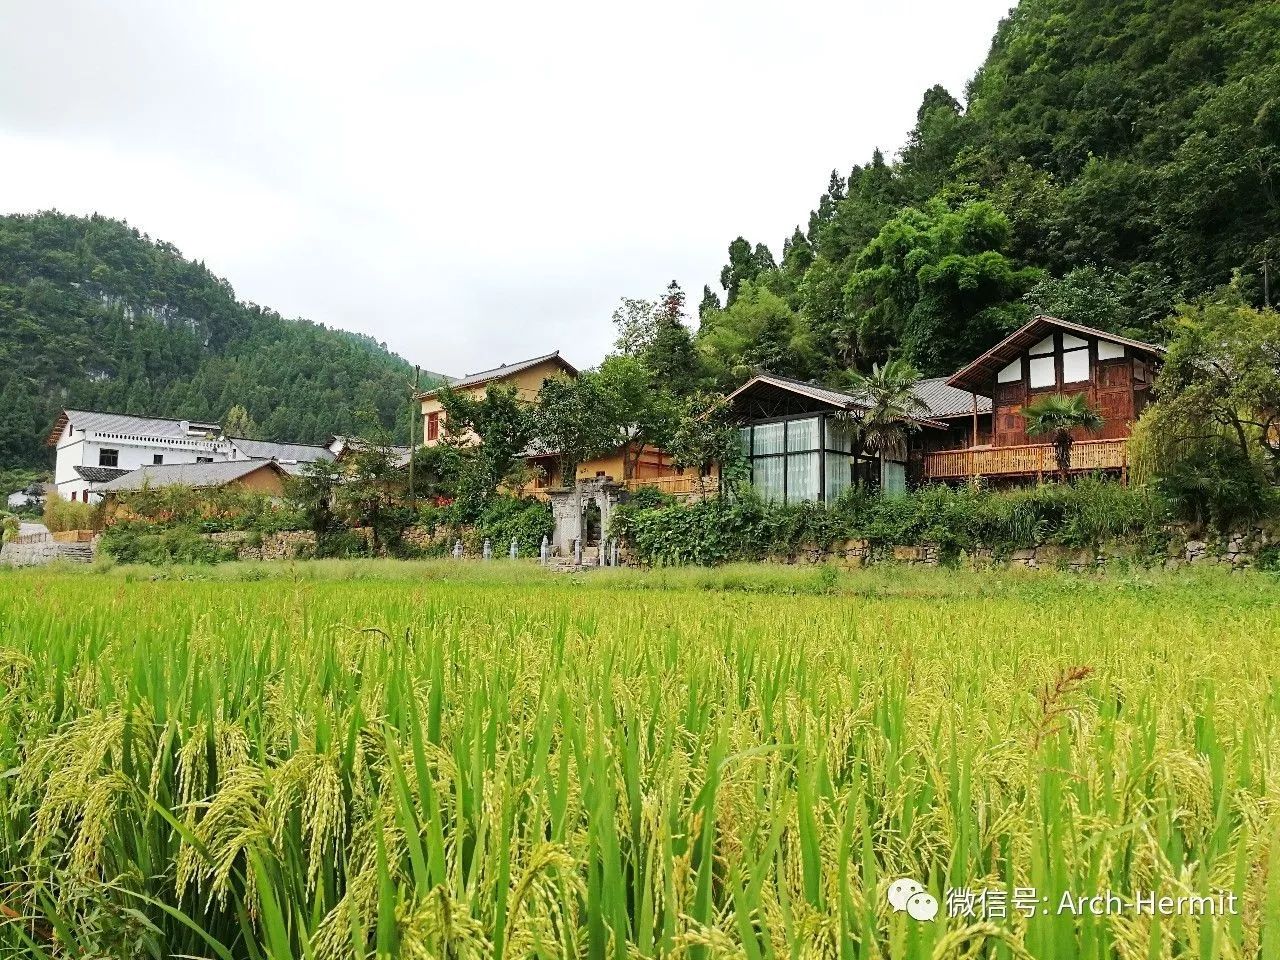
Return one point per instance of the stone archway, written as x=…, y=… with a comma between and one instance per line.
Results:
x=569, y=507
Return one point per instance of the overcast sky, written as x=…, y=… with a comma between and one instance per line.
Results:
x=472, y=183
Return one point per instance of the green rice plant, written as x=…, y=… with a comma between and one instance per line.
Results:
x=439, y=759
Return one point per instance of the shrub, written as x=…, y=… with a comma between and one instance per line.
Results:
x=9, y=527
x=343, y=544
x=954, y=519
x=62, y=515
x=135, y=542
x=211, y=510
x=527, y=521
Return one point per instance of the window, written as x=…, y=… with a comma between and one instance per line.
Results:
x=1010, y=373
x=767, y=477
x=433, y=425
x=108, y=457
x=895, y=478
x=768, y=439
x=838, y=475
x=204, y=459
x=802, y=477
x=1045, y=346
x=1109, y=351
x=157, y=459
x=1042, y=372
x=74, y=495
x=1075, y=365
x=802, y=435
x=839, y=436
x=805, y=459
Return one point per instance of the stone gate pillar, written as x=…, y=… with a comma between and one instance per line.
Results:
x=566, y=513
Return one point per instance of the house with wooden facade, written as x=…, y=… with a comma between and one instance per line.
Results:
x=649, y=466
x=1043, y=357
x=801, y=445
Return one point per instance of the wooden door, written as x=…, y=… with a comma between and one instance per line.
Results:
x=1114, y=386
x=1007, y=425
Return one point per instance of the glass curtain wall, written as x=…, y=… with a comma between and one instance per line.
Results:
x=807, y=458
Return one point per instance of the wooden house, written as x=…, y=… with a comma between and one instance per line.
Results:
x=652, y=467
x=1043, y=357
x=526, y=377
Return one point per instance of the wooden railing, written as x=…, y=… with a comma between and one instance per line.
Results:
x=1035, y=458
x=680, y=486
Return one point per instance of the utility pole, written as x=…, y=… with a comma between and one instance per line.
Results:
x=413, y=419
x=1266, y=279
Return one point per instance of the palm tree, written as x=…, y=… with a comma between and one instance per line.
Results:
x=1057, y=415
x=890, y=408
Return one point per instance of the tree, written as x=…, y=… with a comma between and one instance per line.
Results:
x=672, y=357
x=238, y=423
x=636, y=322
x=706, y=434
x=1221, y=376
x=937, y=282
x=638, y=404
x=577, y=420
x=503, y=424
x=708, y=304
x=758, y=330
x=369, y=488
x=745, y=264
x=655, y=333
x=1056, y=415
x=890, y=409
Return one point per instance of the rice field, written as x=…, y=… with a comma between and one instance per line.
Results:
x=435, y=761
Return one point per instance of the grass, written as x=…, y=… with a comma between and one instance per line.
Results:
x=355, y=759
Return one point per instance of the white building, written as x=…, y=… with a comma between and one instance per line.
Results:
x=95, y=448
x=293, y=457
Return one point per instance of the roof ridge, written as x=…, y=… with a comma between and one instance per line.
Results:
x=137, y=416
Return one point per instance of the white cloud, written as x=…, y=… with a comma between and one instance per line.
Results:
x=470, y=183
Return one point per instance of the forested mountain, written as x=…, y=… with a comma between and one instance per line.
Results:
x=1112, y=158
x=94, y=314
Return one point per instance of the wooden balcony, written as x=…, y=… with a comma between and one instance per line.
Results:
x=689, y=485
x=1026, y=460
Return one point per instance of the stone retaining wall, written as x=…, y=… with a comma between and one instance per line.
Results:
x=285, y=545
x=32, y=553
x=1237, y=550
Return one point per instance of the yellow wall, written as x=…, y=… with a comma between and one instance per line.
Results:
x=263, y=480
x=527, y=384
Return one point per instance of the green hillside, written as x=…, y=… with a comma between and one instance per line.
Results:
x=1111, y=158
x=94, y=314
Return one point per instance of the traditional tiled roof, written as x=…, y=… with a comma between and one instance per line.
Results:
x=130, y=425
x=100, y=474
x=845, y=401
x=281, y=452
x=506, y=370
x=981, y=371
x=945, y=402
x=189, y=474
x=825, y=395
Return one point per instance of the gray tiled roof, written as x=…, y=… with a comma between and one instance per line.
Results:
x=944, y=401
x=506, y=370
x=100, y=474
x=825, y=394
x=283, y=452
x=129, y=424
x=186, y=475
